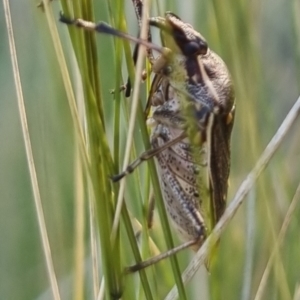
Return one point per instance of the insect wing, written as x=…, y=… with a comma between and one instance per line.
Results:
x=219, y=163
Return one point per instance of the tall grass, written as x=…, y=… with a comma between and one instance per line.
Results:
x=78, y=131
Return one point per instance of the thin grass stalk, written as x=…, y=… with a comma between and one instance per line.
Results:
x=250, y=245
x=146, y=241
x=93, y=62
x=136, y=252
x=79, y=231
x=101, y=291
x=279, y=240
x=80, y=208
x=94, y=242
x=239, y=197
x=116, y=146
x=117, y=97
x=295, y=8
x=297, y=293
x=29, y=154
x=281, y=279
x=280, y=276
x=116, y=128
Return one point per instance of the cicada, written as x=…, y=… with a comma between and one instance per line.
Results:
x=192, y=101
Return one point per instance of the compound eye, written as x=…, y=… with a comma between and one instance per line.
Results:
x=168, y=70
x=202, y=47
x=195, y=48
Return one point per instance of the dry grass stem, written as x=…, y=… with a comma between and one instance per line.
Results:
x=286, y=222
x=29, y=154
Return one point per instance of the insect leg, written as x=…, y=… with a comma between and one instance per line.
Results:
x=147, y=155
x=156, y=259
x=150, y=215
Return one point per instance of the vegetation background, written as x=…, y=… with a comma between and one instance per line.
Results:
x=260, y=43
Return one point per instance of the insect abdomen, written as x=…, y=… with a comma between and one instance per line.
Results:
x=177, y=172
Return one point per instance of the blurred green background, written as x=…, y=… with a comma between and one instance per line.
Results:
x=260, y=43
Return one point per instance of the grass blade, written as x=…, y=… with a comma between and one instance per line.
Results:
x=29, y=155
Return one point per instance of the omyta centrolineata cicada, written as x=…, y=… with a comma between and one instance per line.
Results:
x=192, y=101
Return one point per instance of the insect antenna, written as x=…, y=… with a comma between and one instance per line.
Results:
x=103, y=27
